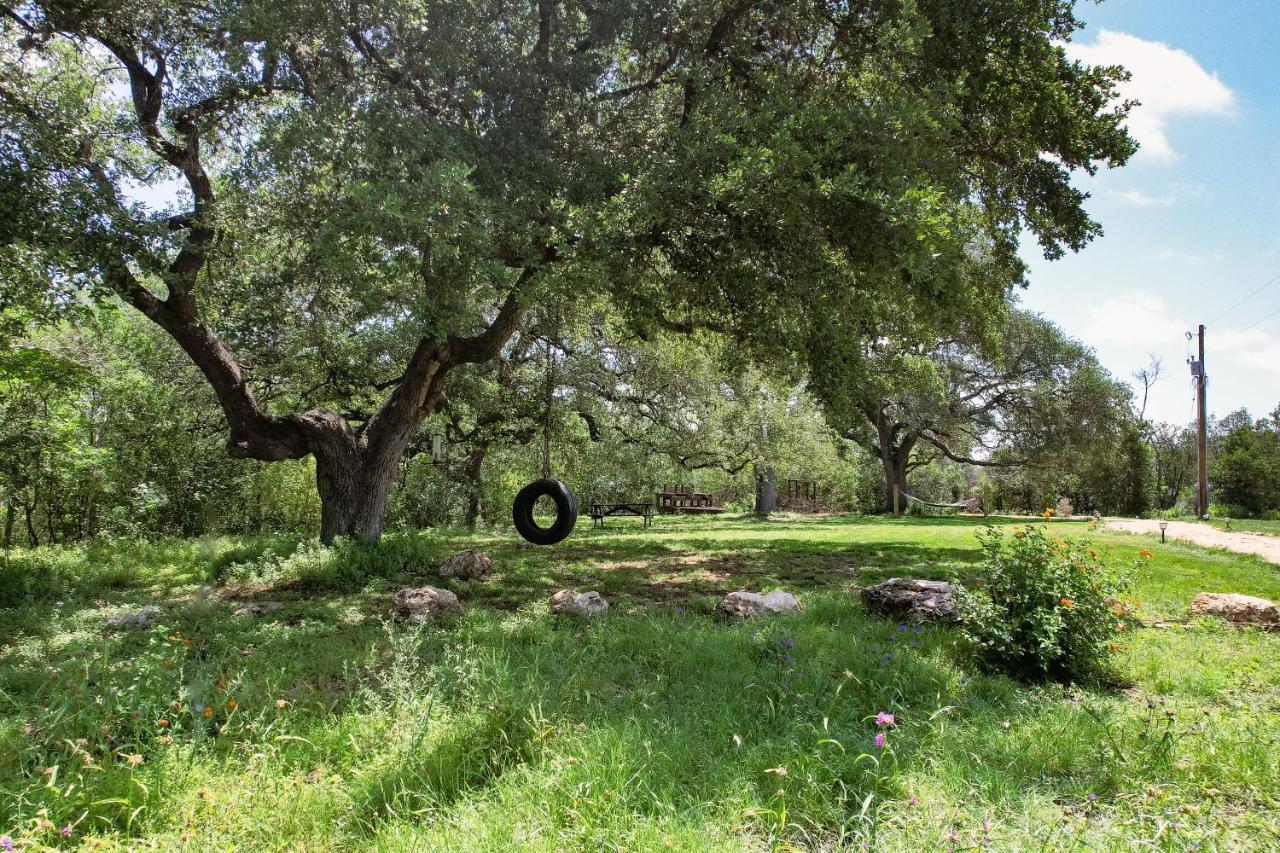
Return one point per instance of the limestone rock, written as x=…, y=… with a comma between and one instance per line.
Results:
x=750, y=605
x=569, y=602
x=467, y=565
x=142, y=618
x=1242, y=609
x=915, y=599
x=424, y=604
x=256, y=608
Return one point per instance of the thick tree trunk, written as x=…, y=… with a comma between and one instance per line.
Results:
x=766, y=490
x=353, y=484
x=895, y=477
x=475, y=462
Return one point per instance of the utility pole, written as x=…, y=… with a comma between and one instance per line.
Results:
x=1202, y=438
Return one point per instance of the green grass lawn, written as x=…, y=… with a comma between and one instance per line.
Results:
x=1246, y=525
x=658, y=726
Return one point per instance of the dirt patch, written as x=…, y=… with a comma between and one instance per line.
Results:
x=1260, y=545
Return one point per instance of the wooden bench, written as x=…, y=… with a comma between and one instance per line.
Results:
x=600, y=511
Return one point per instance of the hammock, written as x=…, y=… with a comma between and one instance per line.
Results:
x=968, y=504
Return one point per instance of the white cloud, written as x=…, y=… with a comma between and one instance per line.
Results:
x=1230, y=340
x=1179, y=258
x=1255, y=347
x=1169, y=83
x=1137, y=318
x=1171, y=195
x=1138, y=198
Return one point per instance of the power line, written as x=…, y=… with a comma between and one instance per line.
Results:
x=1246, y=299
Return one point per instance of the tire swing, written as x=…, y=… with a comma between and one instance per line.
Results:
x=526, y=498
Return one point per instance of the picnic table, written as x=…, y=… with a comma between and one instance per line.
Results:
x=601, y=511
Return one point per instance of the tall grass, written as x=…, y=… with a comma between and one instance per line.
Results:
x=326, y=725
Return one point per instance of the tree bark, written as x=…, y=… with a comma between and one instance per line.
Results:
x=475, y=462
x=9, y=515
x=895, y=476
x=766, y=490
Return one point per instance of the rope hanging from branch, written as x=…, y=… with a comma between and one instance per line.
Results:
x=546, y=415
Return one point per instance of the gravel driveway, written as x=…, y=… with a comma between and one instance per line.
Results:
x=1260, y=544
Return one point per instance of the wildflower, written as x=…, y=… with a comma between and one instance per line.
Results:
x=164, y=724
x=1092, y=797
x=208, y=712
x=913, y=801
x=1144, y=552
x=1066, y=602
x=280, y=703
x=902, y=629
x=66, y=831
x=133, y=760
x=787, y=643
x=222, y=684
x=880, y=740
x=231, y=704
x=186, y=642
x=883, y=719
x=787, y=660
x=6, y=843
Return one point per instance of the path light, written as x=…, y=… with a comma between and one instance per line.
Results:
x=1164, y=525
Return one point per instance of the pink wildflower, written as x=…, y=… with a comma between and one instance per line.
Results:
x=883, y=719
x=880, y=740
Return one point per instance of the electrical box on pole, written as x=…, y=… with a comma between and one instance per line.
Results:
x=1202, y=428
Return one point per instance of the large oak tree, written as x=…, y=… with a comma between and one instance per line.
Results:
x=374, y=192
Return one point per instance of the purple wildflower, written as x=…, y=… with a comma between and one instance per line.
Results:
x=902, y=629
x=66, y=831
x=1093, y=797
x=886, y=658
x=6, y=843
x=913, y=801
x=880, y=740
x=883, y=719
x=787, y=659
x=786, y=643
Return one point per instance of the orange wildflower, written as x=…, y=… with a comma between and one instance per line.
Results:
x=1066, y=602
x=231, y=704
x=164, y=724
x=208, y=712
x=1144, y=552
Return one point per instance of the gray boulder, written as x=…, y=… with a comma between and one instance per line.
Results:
x=910, y=598
x=568, y=602
x=424, y=604
x=1241, y=609
x=467, y=565
x=144, y=617
x=752, y=605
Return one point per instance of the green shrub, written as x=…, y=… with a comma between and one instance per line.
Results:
x=1045, y=607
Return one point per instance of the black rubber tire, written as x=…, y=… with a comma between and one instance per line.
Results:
x=566, y=512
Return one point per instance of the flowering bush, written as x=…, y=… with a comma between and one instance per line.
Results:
x=1045, y=607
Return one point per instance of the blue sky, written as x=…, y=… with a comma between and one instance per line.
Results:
x=1193, y=222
